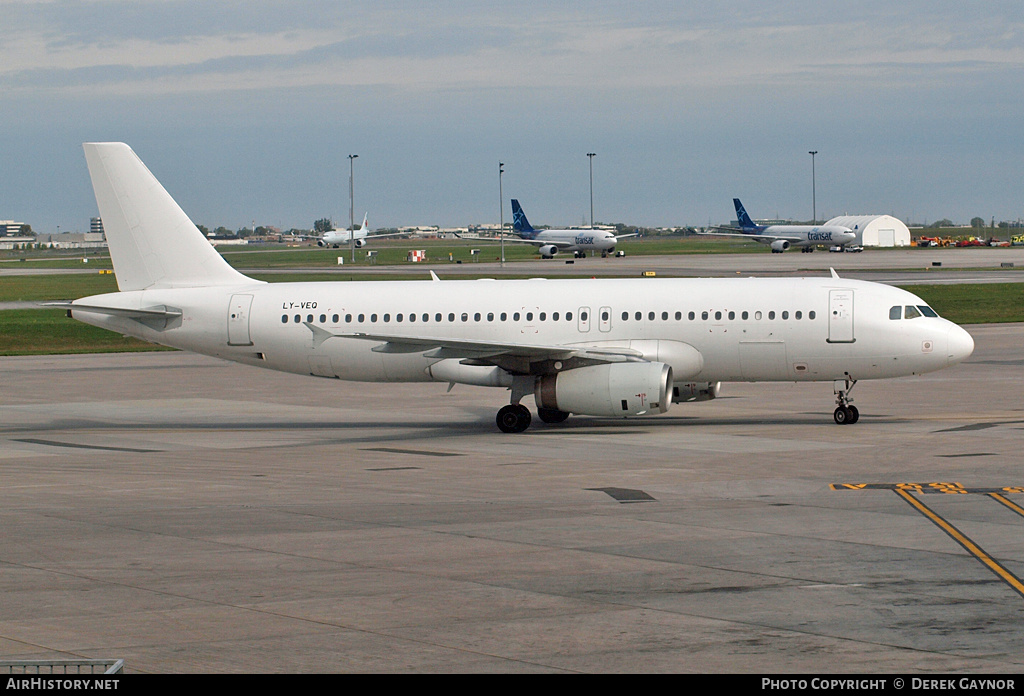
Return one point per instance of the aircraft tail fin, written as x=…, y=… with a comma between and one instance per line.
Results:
x=520, y=225
x=153, y=243
x=741, y=216
x=363, y=227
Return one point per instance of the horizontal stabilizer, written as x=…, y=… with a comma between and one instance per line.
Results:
x=160, y=312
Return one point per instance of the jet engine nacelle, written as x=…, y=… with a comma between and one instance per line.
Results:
x=694, y=391
x=320, y=243
x=779, y=246
x=548, y=250
x=360, y=243
x=615, y=389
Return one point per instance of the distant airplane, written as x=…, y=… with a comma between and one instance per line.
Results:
x=781, y=237
x=341, y=238
x=550, y=242
x=594, y=347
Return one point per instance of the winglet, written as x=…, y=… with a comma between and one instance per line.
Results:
x=433, y=276
x=319, y=335
x=834, y=274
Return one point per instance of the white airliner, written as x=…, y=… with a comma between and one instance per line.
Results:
x=781, y=237
x=598, y=347
x=344, y=238
x=550, y=242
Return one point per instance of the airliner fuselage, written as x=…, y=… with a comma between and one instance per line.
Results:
x=743, y=329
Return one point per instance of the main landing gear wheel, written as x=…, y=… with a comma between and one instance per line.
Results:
x=846, y=415
x=551, y=415
x=514, y=418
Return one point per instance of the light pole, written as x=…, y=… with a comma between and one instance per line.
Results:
x=814, y=194
x=352, y=205
x=501, y=212
x=590, y=156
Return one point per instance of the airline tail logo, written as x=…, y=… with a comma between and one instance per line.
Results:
x=741, y=216
x=519, y=222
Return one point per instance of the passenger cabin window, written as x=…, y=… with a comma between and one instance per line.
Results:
x=910, y=312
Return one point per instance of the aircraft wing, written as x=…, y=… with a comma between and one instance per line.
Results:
x=515, y=357
x=540, y=242
x=757, y=237
x=624, y=236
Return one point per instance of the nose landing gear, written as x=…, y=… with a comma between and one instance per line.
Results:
x=845, y=412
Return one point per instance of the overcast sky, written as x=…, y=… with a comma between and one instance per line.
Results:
x=248, y=110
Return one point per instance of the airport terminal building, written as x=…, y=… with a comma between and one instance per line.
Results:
x=875, y=230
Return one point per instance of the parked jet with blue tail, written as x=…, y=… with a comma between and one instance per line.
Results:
x=781, y=237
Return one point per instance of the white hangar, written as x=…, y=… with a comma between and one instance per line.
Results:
x=875, y=230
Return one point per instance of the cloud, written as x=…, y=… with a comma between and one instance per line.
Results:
x=176, y=47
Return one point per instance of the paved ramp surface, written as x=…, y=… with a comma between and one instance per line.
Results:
x=191, y=515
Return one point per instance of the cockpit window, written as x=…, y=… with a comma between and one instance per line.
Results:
x=927, y=311
x=910, y=312
x=896, y=312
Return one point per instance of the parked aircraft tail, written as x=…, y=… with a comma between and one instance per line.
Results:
x=520, y=224
x=152, y=242
x=745, y=223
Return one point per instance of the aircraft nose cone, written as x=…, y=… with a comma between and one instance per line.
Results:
x=961, y=344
